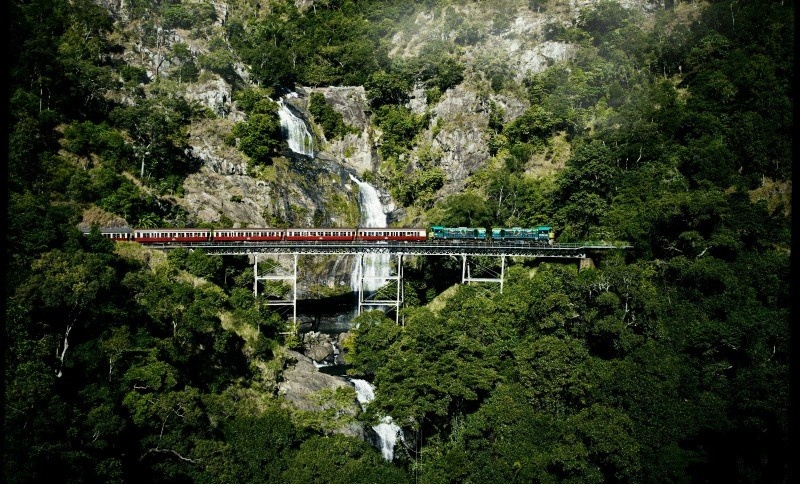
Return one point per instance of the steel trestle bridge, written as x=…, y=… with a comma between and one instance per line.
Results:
x=455, y=248
x=572, y=250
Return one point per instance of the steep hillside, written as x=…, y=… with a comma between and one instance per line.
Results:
x=184, y=50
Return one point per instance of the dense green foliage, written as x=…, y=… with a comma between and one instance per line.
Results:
x=331, y=121
x=666, y=362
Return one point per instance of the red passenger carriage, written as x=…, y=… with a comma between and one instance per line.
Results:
x=396, y=234
x=248, y=235
x=145, y=236
x=318, y=234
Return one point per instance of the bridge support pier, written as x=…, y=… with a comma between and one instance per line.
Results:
x=278, y=275
x=397, y=302
x=466, y=276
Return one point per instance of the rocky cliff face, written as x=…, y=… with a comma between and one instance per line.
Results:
x=302, y=386
x=506, y=35
x=355, y=151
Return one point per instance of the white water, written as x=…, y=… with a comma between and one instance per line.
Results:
x=376, y=266
x=295, y=129
x=387, y=431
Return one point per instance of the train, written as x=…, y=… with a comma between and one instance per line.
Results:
x=535, y=235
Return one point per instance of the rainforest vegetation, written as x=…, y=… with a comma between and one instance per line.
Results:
x=668, y=362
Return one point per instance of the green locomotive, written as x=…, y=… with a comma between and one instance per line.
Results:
x=541, y=234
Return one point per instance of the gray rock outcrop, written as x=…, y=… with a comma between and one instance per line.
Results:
x=302, y=381
x=354, y=150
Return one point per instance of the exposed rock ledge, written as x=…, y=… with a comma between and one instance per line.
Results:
x=302, y=380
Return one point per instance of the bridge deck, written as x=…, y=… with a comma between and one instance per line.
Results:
x=567, y=250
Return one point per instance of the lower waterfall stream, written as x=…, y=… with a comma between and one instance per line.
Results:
x=387, y=431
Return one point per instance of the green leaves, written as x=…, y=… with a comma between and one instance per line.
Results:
x=387, y=88
x=339, y=459
x=259, y=137
x=433, y=370
x=319, y=47
x=331, y=120
x=556, y=373
x=371, y=340
x=464, y=210
x=157, y=127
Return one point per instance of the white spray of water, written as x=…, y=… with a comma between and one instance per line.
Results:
x=295, y=129
x=387, y=431
x=376, y=266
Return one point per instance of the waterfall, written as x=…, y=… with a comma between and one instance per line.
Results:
x=376, y=266
x=295, y=129
x=387, y=431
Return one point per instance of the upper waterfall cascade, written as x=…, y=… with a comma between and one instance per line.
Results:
x=294, y=128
